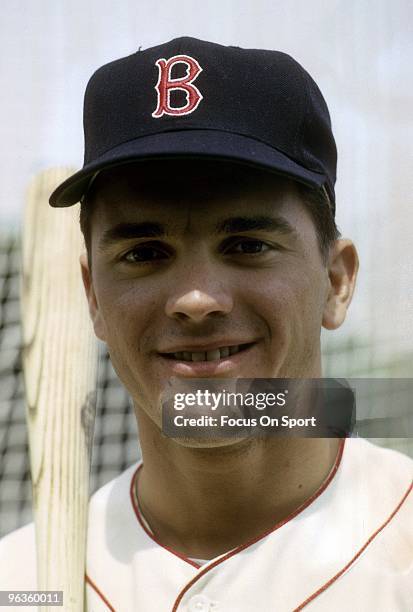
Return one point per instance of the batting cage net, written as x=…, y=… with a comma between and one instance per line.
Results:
x=115, y=438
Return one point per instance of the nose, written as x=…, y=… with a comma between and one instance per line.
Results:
x=198, y=305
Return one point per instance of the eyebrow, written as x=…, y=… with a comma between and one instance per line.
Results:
x=127, y=231
x=231, y=225
x=234, y=225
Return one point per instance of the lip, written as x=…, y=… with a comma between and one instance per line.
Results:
x=224, y=367
x=194, y=348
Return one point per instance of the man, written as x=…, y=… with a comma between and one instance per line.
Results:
x=207, y=205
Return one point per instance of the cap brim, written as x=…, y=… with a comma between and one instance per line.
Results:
x=203, y=144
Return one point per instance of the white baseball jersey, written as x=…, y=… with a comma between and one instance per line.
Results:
x=348, y=548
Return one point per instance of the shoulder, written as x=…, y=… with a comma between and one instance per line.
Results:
x=111, y=497
x=18, y=548
x=382, y=464
x=379, y=481
x=18, y=560
x=111, y=515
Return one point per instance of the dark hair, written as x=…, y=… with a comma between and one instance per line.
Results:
x=316, y=201
x=85, y=217
x=318, y=204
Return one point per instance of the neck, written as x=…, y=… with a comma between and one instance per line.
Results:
x=203, y=502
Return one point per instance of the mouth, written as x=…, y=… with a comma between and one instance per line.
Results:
x=227, y=360
x=216, y=354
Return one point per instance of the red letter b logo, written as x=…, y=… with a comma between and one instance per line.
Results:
x=166, y=84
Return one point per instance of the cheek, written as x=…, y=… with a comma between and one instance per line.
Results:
x=291, y=303
x=130, y=321
x=129, y=315
x=290, y=292
x=308, y=308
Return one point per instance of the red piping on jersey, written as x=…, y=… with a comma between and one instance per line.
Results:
x=357, y=555
x=103, y=598
x=298, y=510
x=151, y=535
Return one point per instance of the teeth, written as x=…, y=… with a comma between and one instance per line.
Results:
x=213, y=355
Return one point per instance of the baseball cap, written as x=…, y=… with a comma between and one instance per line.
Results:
x=190, y=98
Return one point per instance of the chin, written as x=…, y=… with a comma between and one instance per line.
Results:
x=212, y=443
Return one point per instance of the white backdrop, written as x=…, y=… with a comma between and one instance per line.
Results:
x=360, y=53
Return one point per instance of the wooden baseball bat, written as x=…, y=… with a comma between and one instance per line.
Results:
x=60, y=362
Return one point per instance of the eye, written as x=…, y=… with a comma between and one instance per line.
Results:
x=146, y=253
x=248, y=246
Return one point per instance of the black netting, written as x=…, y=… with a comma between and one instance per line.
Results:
x=115, y=439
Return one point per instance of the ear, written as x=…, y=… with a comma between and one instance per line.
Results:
x=94, y=311
x=343, y=266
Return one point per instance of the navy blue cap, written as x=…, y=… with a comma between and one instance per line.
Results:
x=195, y=99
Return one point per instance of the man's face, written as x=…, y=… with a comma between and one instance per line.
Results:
x=199, y=272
